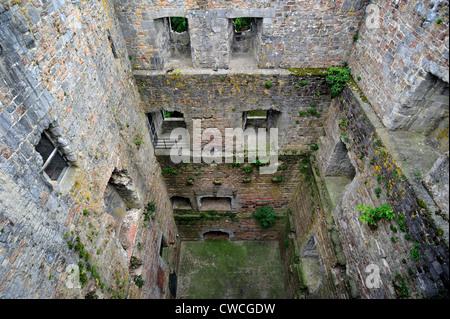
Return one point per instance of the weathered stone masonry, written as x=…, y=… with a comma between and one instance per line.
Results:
x=399, y=61
x=220, y=100
x=375, y=168
x=59, y=73
x=91, y=74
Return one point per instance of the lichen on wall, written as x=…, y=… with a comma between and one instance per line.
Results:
x=65, y=70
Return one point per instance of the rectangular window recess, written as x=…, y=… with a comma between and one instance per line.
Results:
x=54, y=162
x=258, y=114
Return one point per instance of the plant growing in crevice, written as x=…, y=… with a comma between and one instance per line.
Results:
x=135, y=262
x=401, y=221
x=149, y=211
x=400, y=286
x=310, y=112
x=378, y=191
x=418, y=175
x=248, y=169
x=373, y=215
x=415, y=254
x=139, y=281
x=190, y=180
x=265, y=216
x=79, y=247
x=169, y=171
x=337, y=77
x=278, y=179
x=235, y=164
x=138, y=140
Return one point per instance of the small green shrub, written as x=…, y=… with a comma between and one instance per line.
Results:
x=82, y=276
x=418, y=175
x=149, y=211
x=139, y=281
x=269, y=84
x=311, y=112
x=138, y=141
x=247, y=169
x=373, y=215
x=402, y=287
x=169, y=171
x=401, y=222
x=337, y=77
x=235, y=164
x=265, y=216
x=422, y=204
x=378, y=191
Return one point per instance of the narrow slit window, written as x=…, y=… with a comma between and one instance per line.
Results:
x=54, y=161
x=113, y=47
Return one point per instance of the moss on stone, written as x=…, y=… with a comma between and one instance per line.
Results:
x=309, y=71
x=422, y=204
x=352, y=84
x=189, y=215
x=223, y=269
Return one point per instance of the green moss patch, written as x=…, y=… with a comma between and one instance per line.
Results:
x=221, y=269
x=352, y=84
x=309, y=71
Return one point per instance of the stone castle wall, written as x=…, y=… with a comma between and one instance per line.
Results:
x=220, y=100
x=64, y=68
x=84, y=72
x=379, y=179
x=401, y=56
x=296, y=33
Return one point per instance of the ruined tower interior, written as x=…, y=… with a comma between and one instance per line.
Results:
x=92, y=204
